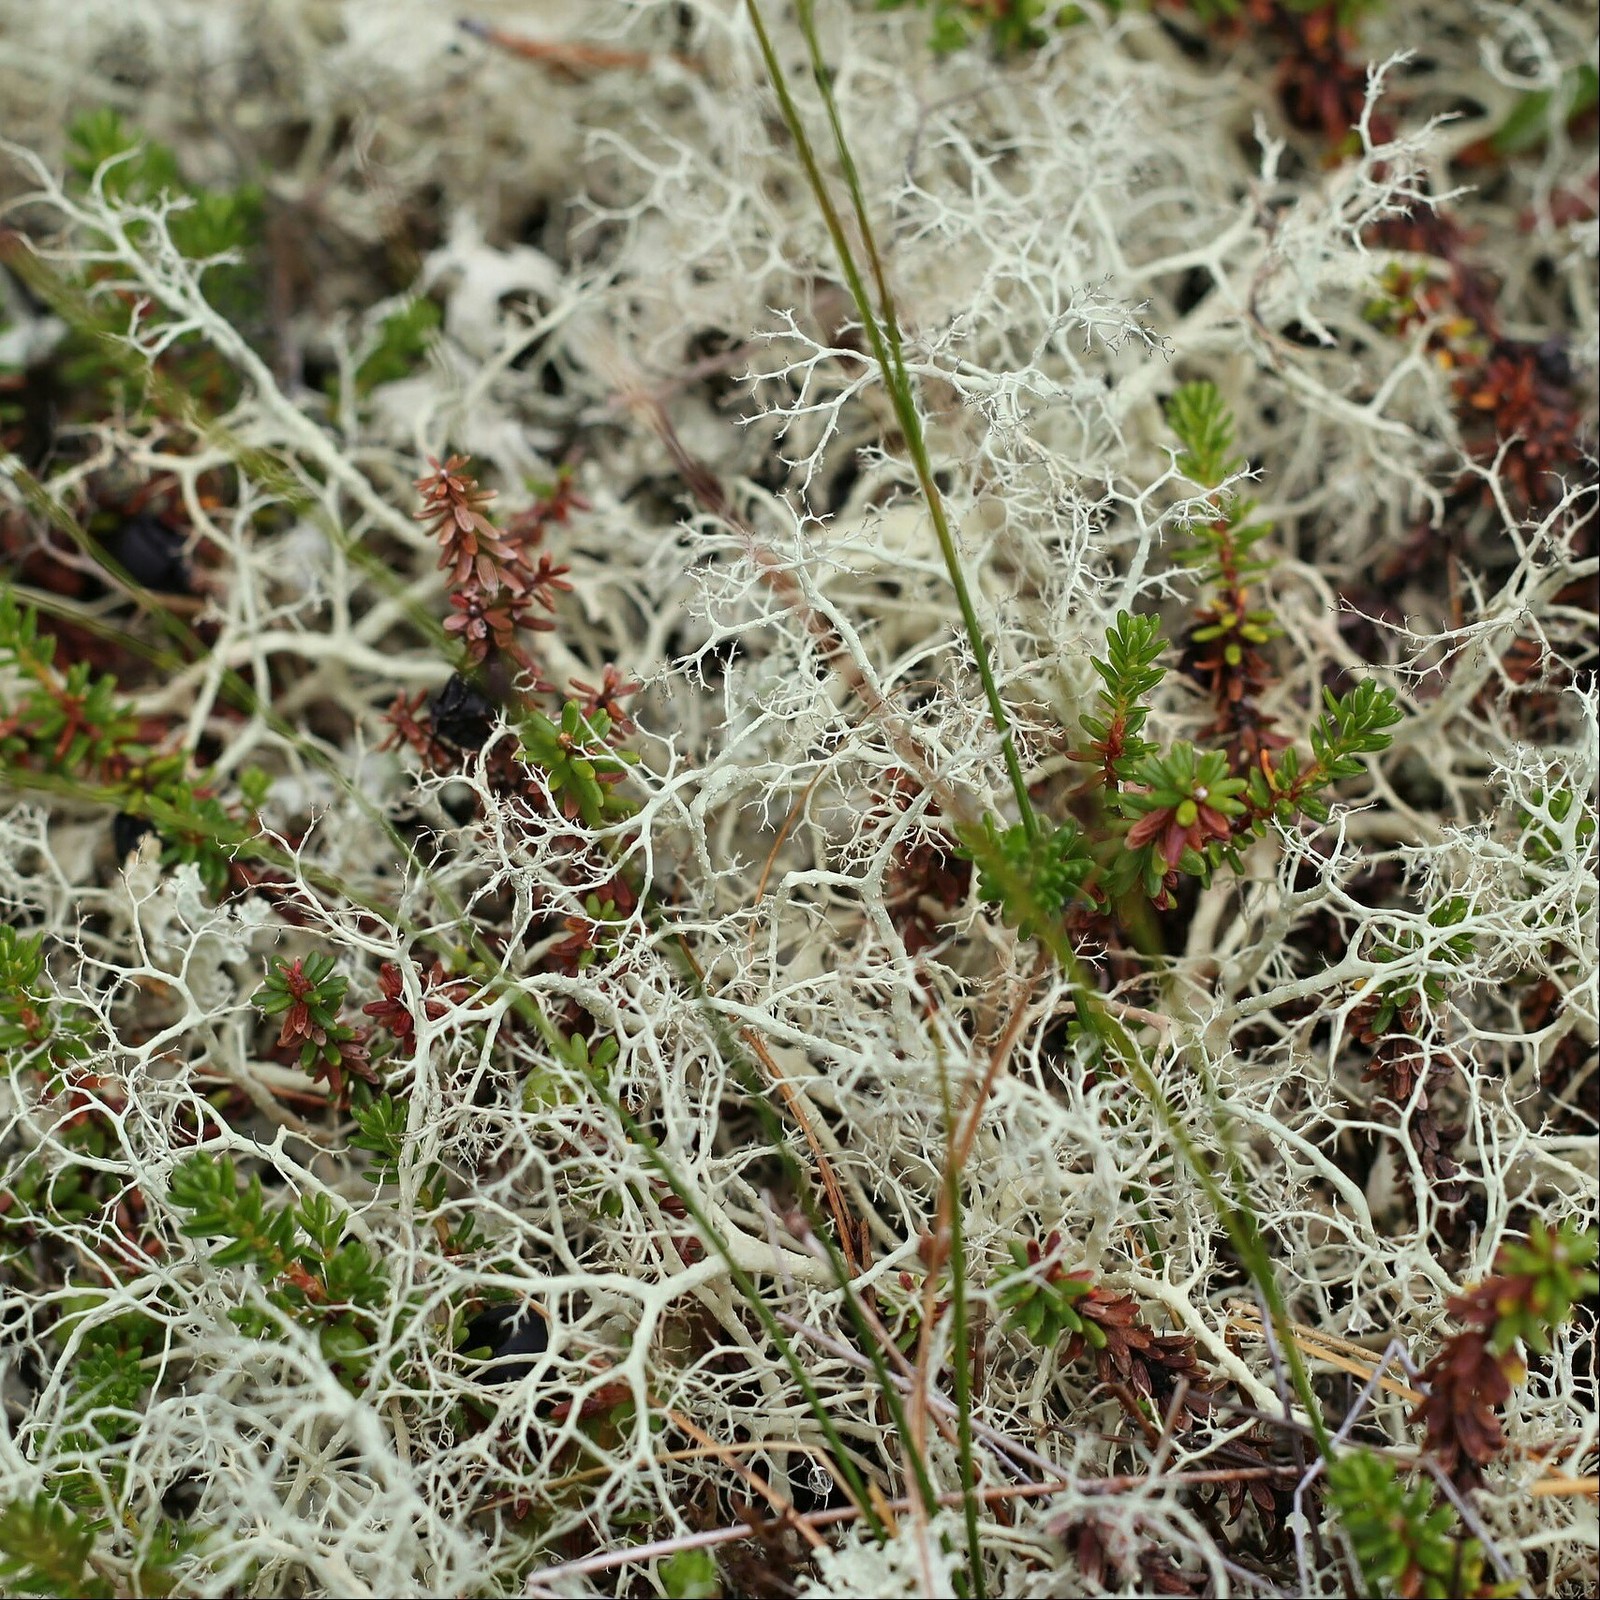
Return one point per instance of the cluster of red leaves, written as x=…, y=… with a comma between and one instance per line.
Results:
x=1134, y=1358
x=1321, y=76
x=1521, y=407
x=1273, y=1500
x=1322, y=79
x=1190, y=825
x=1468, y=1380
x=391, y=1013
x=1512, y=396
x=341, y=1051
x=472, y=550
x=1146, y=1371
x=496, y=582
x=500, y=589
x=1399, y=1060
x=608, y=696
x=409, y=725
x=501, y=583
x=1531, y=1289
x=1516, y=401
x=1130, y=1358
x=488, y=623
x=1467, y=1383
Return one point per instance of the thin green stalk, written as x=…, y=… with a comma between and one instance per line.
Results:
x=772, y=1129
x=237, y=691
x=1237, y=1216
x=896, y=380
x=741, y=1280
x=889, y=1390
x=960, y=1359
x=806, y=11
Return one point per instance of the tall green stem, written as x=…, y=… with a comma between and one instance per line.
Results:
x=1234, y=1211
x=886, y=352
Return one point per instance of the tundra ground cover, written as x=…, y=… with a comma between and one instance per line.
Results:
x=798, y=809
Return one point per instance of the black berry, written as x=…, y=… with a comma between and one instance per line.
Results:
x=507, y=1331
x=462, y=715
x=151, y=554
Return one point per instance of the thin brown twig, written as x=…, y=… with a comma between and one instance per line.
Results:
x=781, y=1504
x=571, y=55
x=1589, y=1486
x=1330, y=1349
x=777, y=844
x=795, y=1104
x=1143, y=1480
x=998, y=1057
x=743, y=1447
x=960, y=1148
x=540, y=1582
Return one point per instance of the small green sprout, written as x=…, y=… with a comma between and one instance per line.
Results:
x=1130, y=674
x=1406, y=1543
x=1182, y=804
x=1040, y=1300
x=579, y=764
x=1542, y=1282
x=45, y=1549
x=1030, y=879
x=1204, y=426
